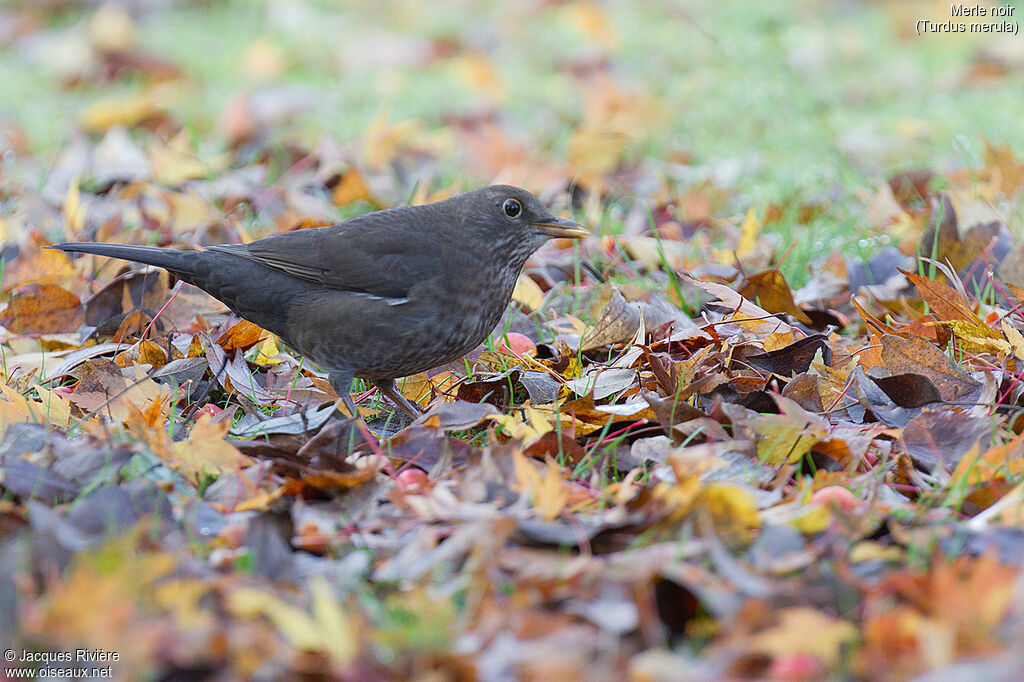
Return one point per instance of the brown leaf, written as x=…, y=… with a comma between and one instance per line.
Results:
x=910, y=187
x=99, y=381
x=745, y=313
x=1007, y=170
x=917, y=356
x=38, y=264
x=943, y=436
x=983, y=244
x=617, y=320
x=329, y=481
x=143, y=352
x=146, y=289
x=944, y=301
x=457, y=415
x=788, y=360
x=134, y=325
x=907, y=390
x=426, y=447
x=803, y=389
x=41, y=308
x=770, y=291
x=497, y=390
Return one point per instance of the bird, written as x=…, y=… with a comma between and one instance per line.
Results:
x=379, y=296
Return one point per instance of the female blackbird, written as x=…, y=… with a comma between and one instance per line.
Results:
x=379, y=296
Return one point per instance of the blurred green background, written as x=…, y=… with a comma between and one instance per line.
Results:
x=765, y=102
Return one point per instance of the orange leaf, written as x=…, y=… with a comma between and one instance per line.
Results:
x=1002, y=462
x=41, y=308
x=242, y=335
x=351, y=188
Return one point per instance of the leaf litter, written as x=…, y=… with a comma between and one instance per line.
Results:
x=664, y=463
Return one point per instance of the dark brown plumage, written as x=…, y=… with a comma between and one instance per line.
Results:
x=380, y=296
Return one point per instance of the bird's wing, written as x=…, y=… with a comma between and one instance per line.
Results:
x=365, y=254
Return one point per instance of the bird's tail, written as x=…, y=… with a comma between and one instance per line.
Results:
x=178, y=262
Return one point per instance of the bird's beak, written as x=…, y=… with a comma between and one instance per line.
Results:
x=562, y=227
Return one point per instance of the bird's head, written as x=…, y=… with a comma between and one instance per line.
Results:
x=507, y=215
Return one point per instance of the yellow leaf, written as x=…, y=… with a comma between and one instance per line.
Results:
x=297, y=626
x=549, y=494
x=263, y=60
x=143, y=352
x=338, y=631
x=14, y=408
x=749, y=231
x=103, y=599
x=868, y=550
x=206, y=451
x=384, y=140
x=528, y=293
x=815, y=519
x=128, y=111
x=770, y=290
x=731, y=506
x=526, y=424
x=420, y=386
x=784, y=438
x=53, y=408
x=596, y=149
x=478, y=71
x=681, y=496
x=1015, y=338
x=975, y=337
x=575, y=367
x=176, y=161
x=112, y=29
x=327, y=628
x=1008, y=510
x=74, y=212
x=189, y=210
x=258, y=502
x=802, y=630
x=776, y=341
x=591, y=20
x=183, y=597
x=268, y=352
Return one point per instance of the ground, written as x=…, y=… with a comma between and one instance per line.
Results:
x=764, y=423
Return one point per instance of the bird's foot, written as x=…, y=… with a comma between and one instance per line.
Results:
x=389, y=389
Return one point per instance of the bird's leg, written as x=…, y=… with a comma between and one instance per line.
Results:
x=341, y=382
x=388, y=388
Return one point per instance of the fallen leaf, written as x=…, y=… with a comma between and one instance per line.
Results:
x=805, y=630
x=42, y=308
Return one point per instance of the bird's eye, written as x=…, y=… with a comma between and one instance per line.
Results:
x=512, y=208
